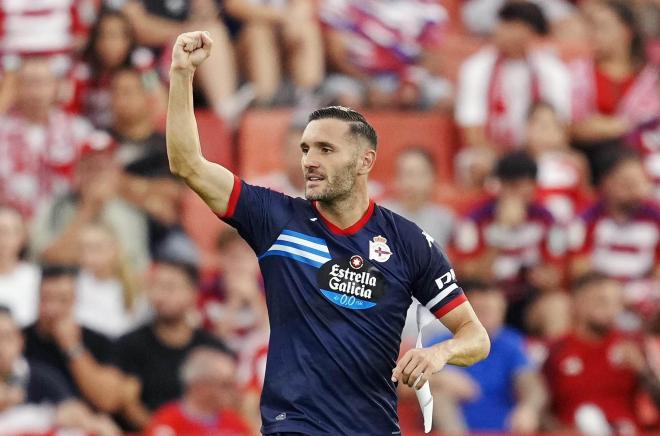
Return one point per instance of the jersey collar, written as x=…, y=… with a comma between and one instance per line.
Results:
x=352, y=229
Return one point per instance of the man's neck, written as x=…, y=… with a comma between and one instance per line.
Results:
x=620, y=214
x=198, y=410
x=7, y=264
x=584, y=332
x=174, y=333
x=617, y=65
x=345, y=212
x=38, y=117
x=135, y=131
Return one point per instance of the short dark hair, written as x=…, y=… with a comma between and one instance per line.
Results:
x=526, y=12
x=6, y=311
x=612, y=157
x=359, y=126
x=57, y=270
x=516, y=165
x=187, y=266
x=588, y=279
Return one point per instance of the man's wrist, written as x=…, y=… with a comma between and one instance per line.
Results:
x=182, y=72
x=444, y=350
x=75, y=351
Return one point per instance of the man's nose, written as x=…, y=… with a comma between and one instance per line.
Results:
x=309, y=161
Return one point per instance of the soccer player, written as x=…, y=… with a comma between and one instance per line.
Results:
x=339, y=272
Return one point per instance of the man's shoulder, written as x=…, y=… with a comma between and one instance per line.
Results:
x=480, y=59
x=399, y=225
x=93, y=338
x=204, y=338
x=136, y=338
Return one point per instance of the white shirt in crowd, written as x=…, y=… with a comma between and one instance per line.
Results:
x=19, y=292
x=473, y=105
x=100, y=306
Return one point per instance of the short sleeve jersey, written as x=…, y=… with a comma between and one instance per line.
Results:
x=337, y=301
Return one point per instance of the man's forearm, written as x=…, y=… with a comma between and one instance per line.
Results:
x=469, y=345
x=183, y=148
x=531, y=390
x=99, y=385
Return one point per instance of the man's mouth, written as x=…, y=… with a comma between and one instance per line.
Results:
x=314, y=178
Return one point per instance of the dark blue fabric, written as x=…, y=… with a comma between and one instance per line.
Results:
x=337, y=304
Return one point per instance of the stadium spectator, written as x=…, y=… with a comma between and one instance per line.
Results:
x=108, y=297
x=619, y=235
x=111, y=47
x=153, y=353
x=146, y=182
x=267, y=27
x=379, y=51
x=502, y=393
x=19, y=280
x=414, y=185
x=498, y=85
x=30, y=383
x=480, y=16
x=596, y=372
x=617, y=89
x=40, y=143
x=78, y=354
x=646, y=141
x=289, y=180
x=55, y=229
x=232, y=303
x=511, y=239
x=563, y=174
x=157, y=25
x=208, y=405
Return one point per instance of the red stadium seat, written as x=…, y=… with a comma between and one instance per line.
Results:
x=215, y=139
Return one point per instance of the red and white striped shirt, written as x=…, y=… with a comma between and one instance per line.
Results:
x=38, y=160
x=538, y=240
x=43, y=26
x=626, y=251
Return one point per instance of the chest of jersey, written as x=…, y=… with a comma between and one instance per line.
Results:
x=362, y=272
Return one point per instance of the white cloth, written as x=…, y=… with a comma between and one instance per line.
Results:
x=19, y=291
x=424, y=397
x=100, y=306
x=472, y=103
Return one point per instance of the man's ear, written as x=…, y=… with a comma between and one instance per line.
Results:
x=367, y=160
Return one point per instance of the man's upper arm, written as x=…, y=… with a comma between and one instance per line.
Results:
x=435, y=284
x=213, y=183
x=259, y=214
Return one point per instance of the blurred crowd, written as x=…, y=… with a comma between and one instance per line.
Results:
x=113, y=318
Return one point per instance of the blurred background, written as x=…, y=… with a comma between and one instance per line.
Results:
x=523, y=136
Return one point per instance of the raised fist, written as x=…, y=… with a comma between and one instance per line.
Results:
x=190, y=50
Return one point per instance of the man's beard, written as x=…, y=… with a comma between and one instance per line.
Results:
x=630, y=207
x=336, y=187
x=598, y=328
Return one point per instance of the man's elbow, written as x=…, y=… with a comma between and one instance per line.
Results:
x=183, y=169
x=482, y=350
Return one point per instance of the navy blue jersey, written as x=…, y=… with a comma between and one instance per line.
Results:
x=337, y=302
